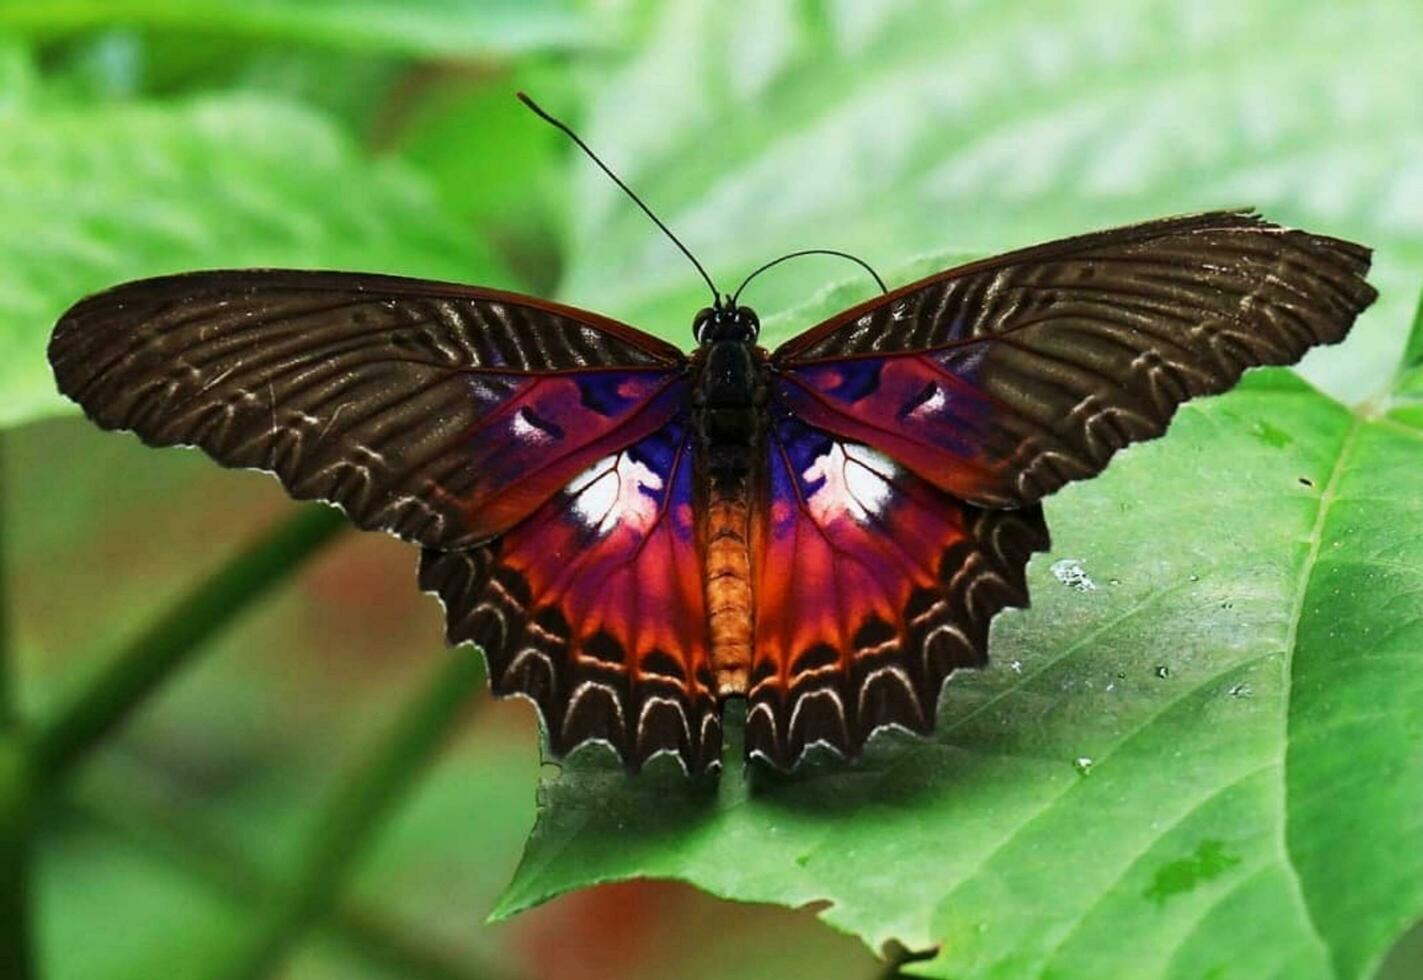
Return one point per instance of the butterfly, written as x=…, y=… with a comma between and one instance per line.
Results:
x=633, y=534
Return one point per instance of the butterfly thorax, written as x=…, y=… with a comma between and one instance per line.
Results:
x=729, y=409
x=729, y=398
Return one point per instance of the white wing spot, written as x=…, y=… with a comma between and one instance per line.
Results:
x=856, y=483
x=525, y=432
x=932, y=405
x=610, y=493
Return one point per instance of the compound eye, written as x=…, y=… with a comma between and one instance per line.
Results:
x=700, y=321
x=748, y=317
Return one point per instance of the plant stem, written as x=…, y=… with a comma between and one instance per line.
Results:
x=16, y=824
x=8, y=717
x=169, y=642
x=356, y=812
x=16, y=798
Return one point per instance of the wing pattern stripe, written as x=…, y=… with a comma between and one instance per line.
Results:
x=361, y=390
x=1066, y=352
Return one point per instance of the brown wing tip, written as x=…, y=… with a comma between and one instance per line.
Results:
x=98, y=319
x=1342, y=291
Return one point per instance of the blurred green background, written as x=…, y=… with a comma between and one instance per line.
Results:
x=148, y=136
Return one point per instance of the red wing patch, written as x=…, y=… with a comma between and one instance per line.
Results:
x=593, y=607
x=535, y=433
x=924, y=409
x=872, y=587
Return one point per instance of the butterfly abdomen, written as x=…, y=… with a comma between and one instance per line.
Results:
x=728, y=586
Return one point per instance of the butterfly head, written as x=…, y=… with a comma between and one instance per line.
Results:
x=726, y=322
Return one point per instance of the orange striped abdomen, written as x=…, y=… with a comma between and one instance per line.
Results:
x=728, y=584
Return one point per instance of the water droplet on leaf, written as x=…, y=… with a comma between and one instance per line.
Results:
x=1163, y=671
x=1083, y=764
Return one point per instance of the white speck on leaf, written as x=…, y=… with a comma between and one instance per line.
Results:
x=1071, y=573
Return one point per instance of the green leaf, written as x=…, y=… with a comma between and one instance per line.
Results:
x=899, y=128
x=17, y=75
x=1407, y=402
x=355, y=89
x=1201, y=760
x=424, y=27
x=94, y=196
x=495, y=163
x=1206, y=764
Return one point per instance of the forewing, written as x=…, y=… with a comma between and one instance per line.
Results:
x=872, y=587
x=438, y=412
x=1002, y=380
x=593, y=607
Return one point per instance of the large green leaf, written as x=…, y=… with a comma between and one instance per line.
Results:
x=92, y=196
x=896, y=128
x=422, y=27
x=1200, y=753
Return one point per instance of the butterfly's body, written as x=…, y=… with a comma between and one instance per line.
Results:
x=729, y=394
x=633, y=535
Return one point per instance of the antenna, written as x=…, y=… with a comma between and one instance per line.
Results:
x=557, y=124
x=810, y=251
